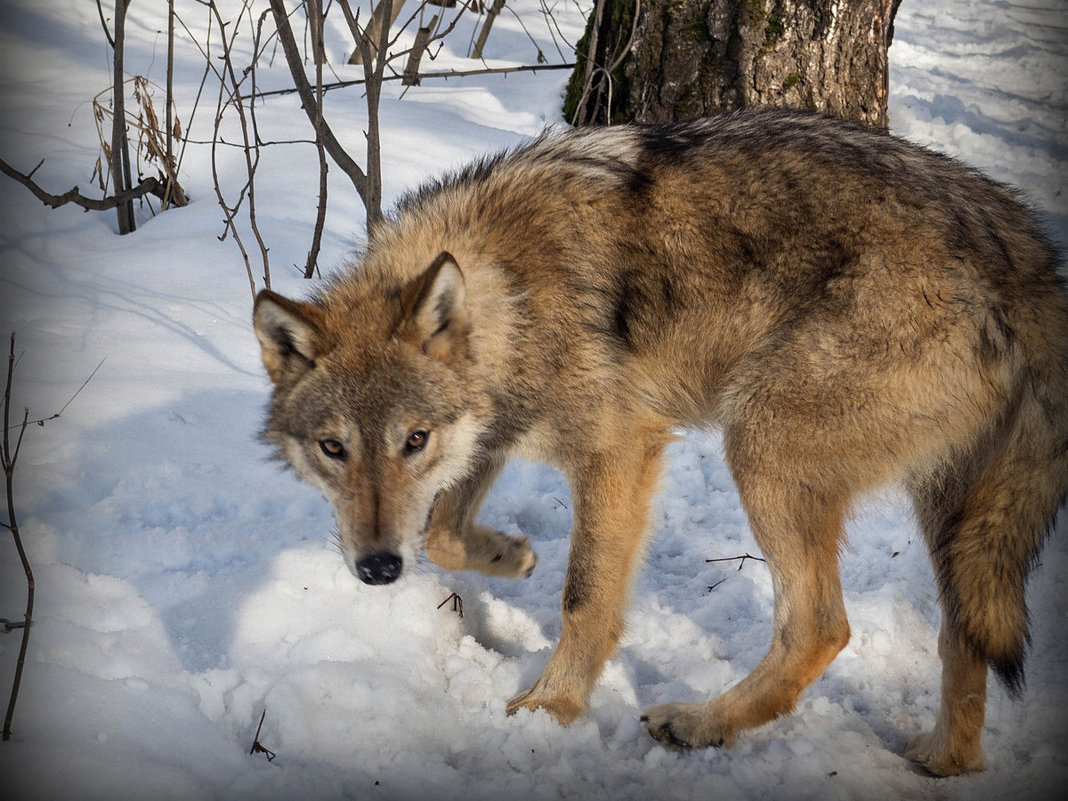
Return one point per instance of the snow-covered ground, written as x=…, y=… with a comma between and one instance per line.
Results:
x=185, y=584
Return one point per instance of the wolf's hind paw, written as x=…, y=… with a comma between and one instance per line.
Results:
x=684, y=726
x=934, y=756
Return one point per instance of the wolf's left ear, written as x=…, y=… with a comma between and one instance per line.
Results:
x=436, y=310
x=290, y=334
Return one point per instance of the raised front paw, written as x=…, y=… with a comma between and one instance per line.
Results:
x=497, y=554
x=482, y=549
x=686, y=726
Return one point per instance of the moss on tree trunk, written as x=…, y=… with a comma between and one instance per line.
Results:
x=692, y=58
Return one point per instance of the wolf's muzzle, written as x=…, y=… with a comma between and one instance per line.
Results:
x=379, y=568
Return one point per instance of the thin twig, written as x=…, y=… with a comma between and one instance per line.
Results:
x=315, y=18
x=104, y=24
x=228, y=212
x=551, y=24
x=9, y=459
x=200, y=89
x=742, y=559
x=257, y=748
x=169, y=110
x=307, y=97
x=541, y=56
x=230, y=94
x=457, y=604
x=256, y=51
x=591, y=61
x=120, y=149
x=422, y=76
x=42, y=420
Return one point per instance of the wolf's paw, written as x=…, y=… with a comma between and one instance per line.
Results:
x=482, y=549
x=503, y=555
x=934, y=755
x=686, y=726
x=564, y=710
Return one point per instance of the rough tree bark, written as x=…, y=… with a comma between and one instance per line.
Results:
x=692, y=58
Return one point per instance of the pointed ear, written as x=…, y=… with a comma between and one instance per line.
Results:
x=290, y=335
x=437, y=319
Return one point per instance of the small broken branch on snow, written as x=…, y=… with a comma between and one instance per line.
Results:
x=742, y=559
x=457, y=604
x=257, y=748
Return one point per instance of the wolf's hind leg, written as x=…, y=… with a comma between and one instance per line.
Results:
x=954, y=746
x=983, y=516
x=455, y=542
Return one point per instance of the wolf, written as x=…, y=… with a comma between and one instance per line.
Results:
x=849, y=308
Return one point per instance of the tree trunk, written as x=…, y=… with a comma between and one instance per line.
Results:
x=483, y=35
x=693, y=58
x=373, y=29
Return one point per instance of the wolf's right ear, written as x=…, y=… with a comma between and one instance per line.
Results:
x=290, y=335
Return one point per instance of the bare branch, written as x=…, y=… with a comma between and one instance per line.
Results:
x=591, y=60
x=230, y=94
x=9, y=457
x=422, y=76
x=120, y=150
x=257, y=747
x=741, y=559
x=541, y=56
x=315, y=15
x=40, y=421
x=147, y=186
x=169, y=159
x=104, y=23
x=307, y=99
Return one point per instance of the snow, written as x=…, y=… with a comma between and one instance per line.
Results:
x=185, y=584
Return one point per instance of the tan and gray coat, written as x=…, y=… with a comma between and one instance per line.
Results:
x=850, y=309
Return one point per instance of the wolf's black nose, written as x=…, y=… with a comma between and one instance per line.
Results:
x=379, y=568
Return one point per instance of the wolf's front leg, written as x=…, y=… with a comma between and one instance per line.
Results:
x=611, y=492
x=455, y=542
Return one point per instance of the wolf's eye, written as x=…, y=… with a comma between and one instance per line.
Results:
x=332, y=448
x=416, y=441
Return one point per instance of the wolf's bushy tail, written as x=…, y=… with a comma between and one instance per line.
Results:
x=987, y=512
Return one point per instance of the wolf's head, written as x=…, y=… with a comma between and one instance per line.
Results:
x=372, y=404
